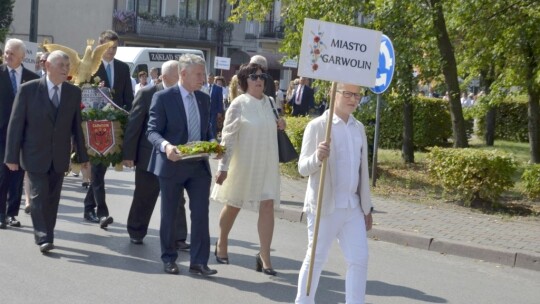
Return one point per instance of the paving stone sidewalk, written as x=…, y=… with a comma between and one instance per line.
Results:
x=451, y=230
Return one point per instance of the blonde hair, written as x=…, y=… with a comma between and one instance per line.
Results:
x=234, y=88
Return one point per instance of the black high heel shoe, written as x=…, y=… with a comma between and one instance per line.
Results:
x=259, y=266
x=224, y=260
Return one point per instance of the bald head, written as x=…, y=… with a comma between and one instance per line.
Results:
x=169, y=73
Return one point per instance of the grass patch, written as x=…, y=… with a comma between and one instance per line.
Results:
x=411, y=182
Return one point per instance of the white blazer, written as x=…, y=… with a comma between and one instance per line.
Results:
x=309, y=165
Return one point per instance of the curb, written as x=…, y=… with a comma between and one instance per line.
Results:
x=520, y=259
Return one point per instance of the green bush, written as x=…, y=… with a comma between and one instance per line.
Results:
x=472, y=174
x=531, y=181
x=432, y=124
x=295, y=131
x=511, y=121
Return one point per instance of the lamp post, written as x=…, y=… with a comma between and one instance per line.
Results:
x=34, y=9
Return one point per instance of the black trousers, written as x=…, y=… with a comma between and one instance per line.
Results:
x=144, y=200
x=45, y=191
x=95, y=197
x=11, y=185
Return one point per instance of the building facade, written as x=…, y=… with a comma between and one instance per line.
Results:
x=195, y=24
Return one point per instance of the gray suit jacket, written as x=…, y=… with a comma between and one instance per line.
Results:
x=39, y=135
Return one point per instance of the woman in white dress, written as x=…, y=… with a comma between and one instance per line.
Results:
x=248, y=173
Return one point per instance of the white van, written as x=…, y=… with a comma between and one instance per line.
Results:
x=145, y=58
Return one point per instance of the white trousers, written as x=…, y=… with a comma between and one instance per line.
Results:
x=348, y=226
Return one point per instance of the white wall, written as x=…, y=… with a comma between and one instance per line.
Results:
x=66, y=22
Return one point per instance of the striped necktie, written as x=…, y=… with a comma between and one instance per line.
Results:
x=194, y=127
x=55, y=100
x=14, y=81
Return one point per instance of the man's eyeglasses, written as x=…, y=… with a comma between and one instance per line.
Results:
x=348, y=94
x=254, y=77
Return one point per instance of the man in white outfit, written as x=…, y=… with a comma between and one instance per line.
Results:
x=346, y=204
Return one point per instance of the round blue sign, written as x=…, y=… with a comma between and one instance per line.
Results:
x=387, y=62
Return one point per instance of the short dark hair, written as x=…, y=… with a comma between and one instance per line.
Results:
x=245, y=71
x=108, y=35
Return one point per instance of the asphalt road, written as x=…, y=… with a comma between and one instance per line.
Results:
x=92, y=265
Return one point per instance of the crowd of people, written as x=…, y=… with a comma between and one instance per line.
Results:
x=41, y=125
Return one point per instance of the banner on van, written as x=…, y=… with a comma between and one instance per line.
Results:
x=163, y=56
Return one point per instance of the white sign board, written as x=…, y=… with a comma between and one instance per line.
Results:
x=222, y=63
x=340, y=53
x=291, y=63
x=29, y=60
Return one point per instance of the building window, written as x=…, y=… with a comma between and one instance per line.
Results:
x=145, y=6
x=193, y=9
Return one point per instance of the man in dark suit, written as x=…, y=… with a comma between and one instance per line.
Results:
x=46, y=114
x=302, y=99
x=136, y=151
x=115, y=75
x=179, y=115
x=12, y=75
x=216, y=103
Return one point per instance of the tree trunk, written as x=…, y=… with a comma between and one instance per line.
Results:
x=488, y=77
x=449, y=69
x=491, y=120
x=407, y=149
x=534, y=107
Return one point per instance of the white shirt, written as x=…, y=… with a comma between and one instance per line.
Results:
x=50, y=89
x=348, y=140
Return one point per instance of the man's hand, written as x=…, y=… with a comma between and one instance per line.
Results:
x=12, y=167
x=172, y=153
x=323, y=150
x=369, y=221
x=220, y=177
x=128, y=163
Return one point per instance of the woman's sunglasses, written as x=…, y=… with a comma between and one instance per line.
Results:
x=254, y=77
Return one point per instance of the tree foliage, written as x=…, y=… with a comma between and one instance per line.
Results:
x=496, y=40
x=6, y=17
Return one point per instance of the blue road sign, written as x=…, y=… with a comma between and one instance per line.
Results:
x=387, y=62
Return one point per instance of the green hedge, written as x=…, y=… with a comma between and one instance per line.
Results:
x=531, y=181
x=432, y=123
x=511, y=121
x=295, y=131
x=471, y=173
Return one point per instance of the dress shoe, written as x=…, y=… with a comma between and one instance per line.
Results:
x=46, y=247
x=12, y=221
x=202, y=270
x=27, y=209
x=85, y=185
x=171, y=268
x=136, y=241
x=105, y=221
x=3, y=224
x=182, y=245
x=259, y=266
x=91, y=217
x=221, y=260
